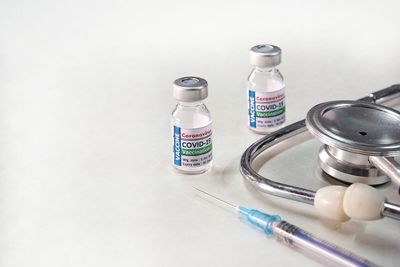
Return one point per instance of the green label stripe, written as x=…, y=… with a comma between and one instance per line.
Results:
x=269, y=114
x=196, y=151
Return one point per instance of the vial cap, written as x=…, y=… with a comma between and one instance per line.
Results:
x=265, y=56
x=190, y=89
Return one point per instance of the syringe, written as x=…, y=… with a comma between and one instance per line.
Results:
x=293, y=236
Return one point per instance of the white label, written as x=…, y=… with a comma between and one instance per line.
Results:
x=192, y=147
x=265, y=109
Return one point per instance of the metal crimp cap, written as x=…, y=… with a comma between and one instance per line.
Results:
x=190, y=89
x=265, y=56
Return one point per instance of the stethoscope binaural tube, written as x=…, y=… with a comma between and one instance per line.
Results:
x=388, y=96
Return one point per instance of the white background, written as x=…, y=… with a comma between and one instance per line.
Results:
x=85, y=145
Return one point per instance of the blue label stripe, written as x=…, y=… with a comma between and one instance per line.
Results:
x=252, y=109
x=177, y=146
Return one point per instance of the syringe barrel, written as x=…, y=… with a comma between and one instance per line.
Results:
x=322, y=250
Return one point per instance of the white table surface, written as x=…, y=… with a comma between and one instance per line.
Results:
x=85, y=99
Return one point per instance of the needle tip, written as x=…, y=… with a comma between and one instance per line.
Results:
x=217, y=198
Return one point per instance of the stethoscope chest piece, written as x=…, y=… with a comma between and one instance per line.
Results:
x=360, y=140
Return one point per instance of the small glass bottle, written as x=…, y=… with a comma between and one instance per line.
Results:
x=191, y=126
x=265, y=90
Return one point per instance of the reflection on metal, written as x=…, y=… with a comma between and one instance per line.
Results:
x=349, y=167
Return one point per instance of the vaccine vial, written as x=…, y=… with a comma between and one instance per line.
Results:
x=191, y=126
x=265, y=90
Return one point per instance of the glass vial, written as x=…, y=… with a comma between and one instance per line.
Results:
x=265, y=90
x=191, y=126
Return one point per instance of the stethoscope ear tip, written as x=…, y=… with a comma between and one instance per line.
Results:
x=358, y=201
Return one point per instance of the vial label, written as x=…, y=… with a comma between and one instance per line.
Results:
x=192, y=147
x=266, y=109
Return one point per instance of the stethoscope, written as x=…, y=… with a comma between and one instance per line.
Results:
x=361, y=139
